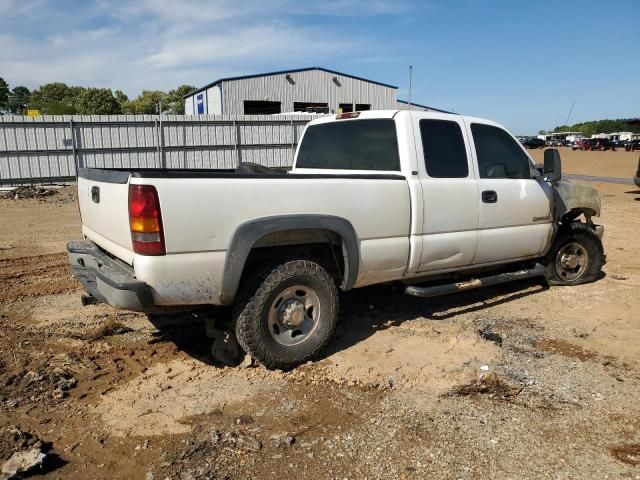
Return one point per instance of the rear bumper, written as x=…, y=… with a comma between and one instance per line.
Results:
x=106, y=279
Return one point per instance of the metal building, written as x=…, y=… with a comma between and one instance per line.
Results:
x=308, y=90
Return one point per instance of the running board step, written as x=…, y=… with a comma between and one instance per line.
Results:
x=435, y=291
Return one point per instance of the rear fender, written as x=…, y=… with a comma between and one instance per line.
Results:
x=249, y=234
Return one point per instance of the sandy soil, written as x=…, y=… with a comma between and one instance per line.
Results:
x=408, y=389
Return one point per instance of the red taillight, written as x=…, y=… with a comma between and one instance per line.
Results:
x=145, y=220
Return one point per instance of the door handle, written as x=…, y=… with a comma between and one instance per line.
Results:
x=489, y=196
x=95, y=194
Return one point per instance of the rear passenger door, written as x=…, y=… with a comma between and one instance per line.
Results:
x=514, y=206
x=449, y=190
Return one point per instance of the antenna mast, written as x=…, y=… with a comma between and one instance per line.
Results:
x=566, y=122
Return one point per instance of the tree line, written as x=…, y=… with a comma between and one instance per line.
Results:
x=600, y=126
x=61, y=99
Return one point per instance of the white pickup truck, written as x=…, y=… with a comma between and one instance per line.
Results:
x=372, y=197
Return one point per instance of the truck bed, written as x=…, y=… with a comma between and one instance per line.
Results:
x=203, y=209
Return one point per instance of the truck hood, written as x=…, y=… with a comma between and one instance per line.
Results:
x=569, y=195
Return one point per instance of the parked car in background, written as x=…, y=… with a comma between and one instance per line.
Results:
x=534, y=143
x=632, y=146
x=620, y=143
x=603, y=144
x=581, y=145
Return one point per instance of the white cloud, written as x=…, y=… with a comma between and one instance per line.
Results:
x=205, y=11
x=14, y=8
x=135, y=44
x=269, y=42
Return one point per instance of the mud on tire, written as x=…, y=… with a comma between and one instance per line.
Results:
x=286, y=314
x=576, y=256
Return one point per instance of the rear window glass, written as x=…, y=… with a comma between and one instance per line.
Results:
x=444, y=151
x=350, y=145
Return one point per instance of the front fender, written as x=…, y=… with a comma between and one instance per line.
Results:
x=570, y=196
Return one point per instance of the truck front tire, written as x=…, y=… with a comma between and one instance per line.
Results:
x=286, y=315
x=576, y=257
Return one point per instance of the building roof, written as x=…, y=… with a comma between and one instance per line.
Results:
x=562, y=133
x=424, y=106
x=242, y=77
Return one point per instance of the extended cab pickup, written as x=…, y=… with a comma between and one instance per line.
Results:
x=373, y=197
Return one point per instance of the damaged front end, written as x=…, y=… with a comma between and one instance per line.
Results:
x=573, y=199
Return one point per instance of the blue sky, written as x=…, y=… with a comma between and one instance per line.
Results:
x=521, y=63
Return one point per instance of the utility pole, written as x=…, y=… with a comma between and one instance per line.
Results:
x=410, y=81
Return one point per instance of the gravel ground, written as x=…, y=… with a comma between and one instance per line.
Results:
x=518, y=381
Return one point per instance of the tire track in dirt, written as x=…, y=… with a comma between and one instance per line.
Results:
x=35, y=276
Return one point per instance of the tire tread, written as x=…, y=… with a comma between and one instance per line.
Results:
x=597, y=259
x=251, y=304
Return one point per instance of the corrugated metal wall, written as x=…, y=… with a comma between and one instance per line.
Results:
x=309, y=86
x=49, y=147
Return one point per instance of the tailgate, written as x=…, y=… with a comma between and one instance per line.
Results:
x=103, y=196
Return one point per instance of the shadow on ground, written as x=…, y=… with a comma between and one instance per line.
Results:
x=634, y=192
x=364, y=312
x=368, y=310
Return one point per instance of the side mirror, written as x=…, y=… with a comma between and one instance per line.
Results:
x=539, y=170
x=552, y=165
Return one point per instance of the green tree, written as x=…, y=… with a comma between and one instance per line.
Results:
x=148, y=102
x=176, y=100
x=121, y=98
x=601, y=126
x=18, y=100
x=4, y=95
x=97, y=101
x=55, y=98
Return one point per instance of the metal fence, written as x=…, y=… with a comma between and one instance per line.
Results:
x=49, y=148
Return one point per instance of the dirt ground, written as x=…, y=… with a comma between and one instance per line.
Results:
x=409, y=388
x=619, y=164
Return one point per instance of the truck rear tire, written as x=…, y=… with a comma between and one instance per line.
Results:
x=286, y=315
x=576, y=257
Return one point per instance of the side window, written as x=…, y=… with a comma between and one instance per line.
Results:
x=444, y=152
x=350, y=145
x=499, y=155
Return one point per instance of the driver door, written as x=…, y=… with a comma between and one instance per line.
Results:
x=514, y=205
